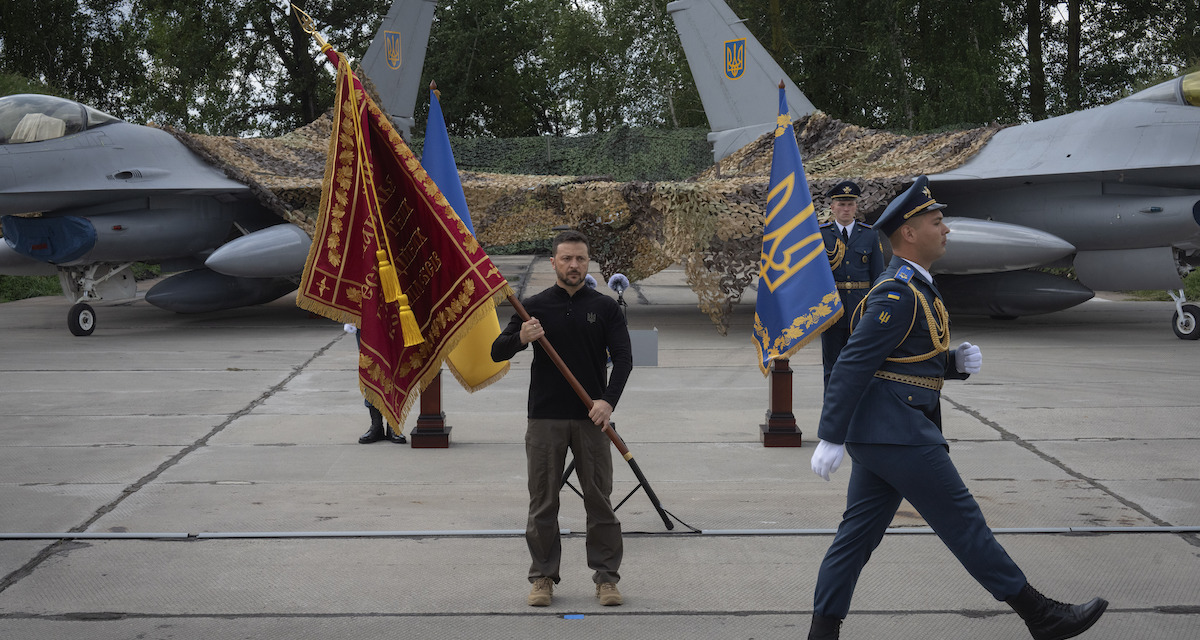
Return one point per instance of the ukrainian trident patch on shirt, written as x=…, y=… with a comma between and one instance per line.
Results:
x=886, y=315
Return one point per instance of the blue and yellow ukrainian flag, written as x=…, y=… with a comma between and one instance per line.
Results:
x=471, y=360
x=797, y=298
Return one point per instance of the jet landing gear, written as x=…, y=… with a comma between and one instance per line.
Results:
x=81, y=319
x=94, y=282
x=1186, y=321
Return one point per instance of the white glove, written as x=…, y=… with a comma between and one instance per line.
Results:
x=827, y=458
x=349, y=328
x=968, y=358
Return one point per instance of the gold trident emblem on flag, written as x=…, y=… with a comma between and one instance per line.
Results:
x=782, y=262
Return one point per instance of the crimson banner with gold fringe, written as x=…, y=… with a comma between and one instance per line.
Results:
x=373, y=181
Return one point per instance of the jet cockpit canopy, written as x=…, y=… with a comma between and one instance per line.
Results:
x=28, y=117
x=1184, y=91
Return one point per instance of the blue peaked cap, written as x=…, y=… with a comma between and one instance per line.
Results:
x=913, y=202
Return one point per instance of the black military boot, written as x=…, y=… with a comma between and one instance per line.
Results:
x=398, y=438
x=1052, y=620
x=376, y=432
x=824, y=628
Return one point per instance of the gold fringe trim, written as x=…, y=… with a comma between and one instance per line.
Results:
x=799, y=345
x=376, y=400
x=482, y=385
x=327, y=311
x=461, y=335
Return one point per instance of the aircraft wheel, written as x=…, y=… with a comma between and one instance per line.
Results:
x=1187, y=327
x=81, y=320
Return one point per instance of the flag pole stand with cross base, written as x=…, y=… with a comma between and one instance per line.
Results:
x=607, y=429
x=643, y=483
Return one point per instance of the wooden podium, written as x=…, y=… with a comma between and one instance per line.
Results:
x=780, y=429
x=431, y=431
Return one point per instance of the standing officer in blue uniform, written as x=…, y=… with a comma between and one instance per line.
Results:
x=882, y=406
x=856, y=258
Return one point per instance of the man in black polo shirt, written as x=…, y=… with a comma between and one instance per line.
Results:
x=585, y=327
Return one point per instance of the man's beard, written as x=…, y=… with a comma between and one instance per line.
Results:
x=571, y=279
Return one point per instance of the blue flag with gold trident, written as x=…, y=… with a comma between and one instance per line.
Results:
x=797, y=298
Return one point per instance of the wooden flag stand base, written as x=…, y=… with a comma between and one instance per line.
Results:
x=431, y=431
x=780, y=429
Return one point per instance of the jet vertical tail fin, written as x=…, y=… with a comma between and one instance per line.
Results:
x=396, y=56
x=736, y=77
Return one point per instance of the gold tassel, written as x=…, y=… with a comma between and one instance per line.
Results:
x=408, y=324
x=387, y=277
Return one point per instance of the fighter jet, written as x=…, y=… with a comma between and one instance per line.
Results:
x=1112, y=191
x=109, y=193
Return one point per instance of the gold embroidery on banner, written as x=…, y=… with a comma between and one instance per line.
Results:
x=386, y=189
x=799, y=327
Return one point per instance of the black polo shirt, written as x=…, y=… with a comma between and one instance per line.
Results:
x=585, y=329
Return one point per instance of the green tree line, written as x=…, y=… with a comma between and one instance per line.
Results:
x=511, y=68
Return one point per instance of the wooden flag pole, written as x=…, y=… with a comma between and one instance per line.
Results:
x=587, y=402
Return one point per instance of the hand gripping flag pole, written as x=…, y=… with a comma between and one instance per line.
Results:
x=607, y=429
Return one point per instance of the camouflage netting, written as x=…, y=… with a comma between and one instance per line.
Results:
x=711, y=223
x=624, y=153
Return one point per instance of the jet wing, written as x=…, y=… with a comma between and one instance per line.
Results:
x=1137, y=140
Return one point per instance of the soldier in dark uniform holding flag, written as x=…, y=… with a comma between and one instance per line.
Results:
x=882, y=406
x=856, y=258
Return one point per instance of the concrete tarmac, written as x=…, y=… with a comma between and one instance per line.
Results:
x=198, y=477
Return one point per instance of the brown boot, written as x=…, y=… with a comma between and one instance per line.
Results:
x=542, y=592
x=608, y=594
x=1053, y=620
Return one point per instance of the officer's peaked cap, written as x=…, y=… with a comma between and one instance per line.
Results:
x=915, y=201
x=844, y=189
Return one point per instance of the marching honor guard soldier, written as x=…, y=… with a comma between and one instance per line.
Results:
x=856, y=258
x=882, y=407
x=585, y=327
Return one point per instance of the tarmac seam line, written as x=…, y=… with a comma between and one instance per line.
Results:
x=28, y=568
x=1009, y=436
x=105, y=616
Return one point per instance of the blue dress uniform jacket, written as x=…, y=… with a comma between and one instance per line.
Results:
x=894, y=331
x=860, y=261
x=883, y=402
x=855, y=267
